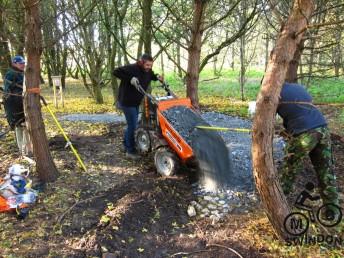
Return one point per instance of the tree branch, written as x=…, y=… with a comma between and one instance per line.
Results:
x=175, y=15
x=223, y=17
x=230, y=40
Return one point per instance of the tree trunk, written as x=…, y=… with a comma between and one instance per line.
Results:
x=147, y=26
x=65, y=49
x=194, y=51
x=19, y=22
x=311, y=61
x=5, y=55
x=97, y=93
x=46, y=168
x=337, y=48
x=162, y=63
x=266, y=50
x=267, y=183
x=291, y=75
x=214, y=65
x=242, y=77
x=233, y=56
x=180, y=72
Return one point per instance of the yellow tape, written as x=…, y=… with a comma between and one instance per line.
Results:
x=223, y=128
x=67, y=139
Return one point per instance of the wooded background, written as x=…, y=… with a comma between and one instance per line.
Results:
x=87, y=39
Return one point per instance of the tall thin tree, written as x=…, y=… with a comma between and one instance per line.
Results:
x=45, y=165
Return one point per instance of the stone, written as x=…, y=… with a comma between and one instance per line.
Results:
x=215, y=212
x=214, y=218
x=112, y=255
x=205, y=211
x=208, y=198
x=212, y=207
x=191, y=211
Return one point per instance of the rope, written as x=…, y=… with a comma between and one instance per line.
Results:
x=35, y=90
x=69, y=143
x=297, y=102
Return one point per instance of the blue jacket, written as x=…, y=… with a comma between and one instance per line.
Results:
x=297, y=111
x=13, y=84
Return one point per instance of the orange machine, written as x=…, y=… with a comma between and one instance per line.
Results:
x=156, y=134
x=4, y=207
x=176, y=142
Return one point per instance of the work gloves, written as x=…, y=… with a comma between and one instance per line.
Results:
x=135, y=82
x=160, y=78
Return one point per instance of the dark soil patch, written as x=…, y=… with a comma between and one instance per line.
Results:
x=146, y=217
x=142, y=216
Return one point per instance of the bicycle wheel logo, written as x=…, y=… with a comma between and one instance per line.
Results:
x=297, y=223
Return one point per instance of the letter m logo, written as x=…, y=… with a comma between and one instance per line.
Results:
x=296, y=224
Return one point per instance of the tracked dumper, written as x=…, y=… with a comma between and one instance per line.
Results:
x=168, y=128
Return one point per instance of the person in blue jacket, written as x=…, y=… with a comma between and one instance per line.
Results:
x=13, y=103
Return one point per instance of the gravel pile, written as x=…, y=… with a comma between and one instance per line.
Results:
x=240, y=195
x=215, y=205
x=184, y=120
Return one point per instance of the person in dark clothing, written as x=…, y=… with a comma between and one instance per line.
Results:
x=13, y=103
x=129, y=97
x=309, y=135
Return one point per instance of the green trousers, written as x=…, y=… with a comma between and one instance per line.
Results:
x=315, y=143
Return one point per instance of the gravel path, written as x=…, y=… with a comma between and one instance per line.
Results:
x=95, y=118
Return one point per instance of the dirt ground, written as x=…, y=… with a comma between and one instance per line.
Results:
x=121, y=208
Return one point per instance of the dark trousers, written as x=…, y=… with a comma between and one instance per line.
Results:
x=131, y=115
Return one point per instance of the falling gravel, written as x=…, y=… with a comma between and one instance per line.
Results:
x=240, y=146
x=212, y=155
x=240, y=196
